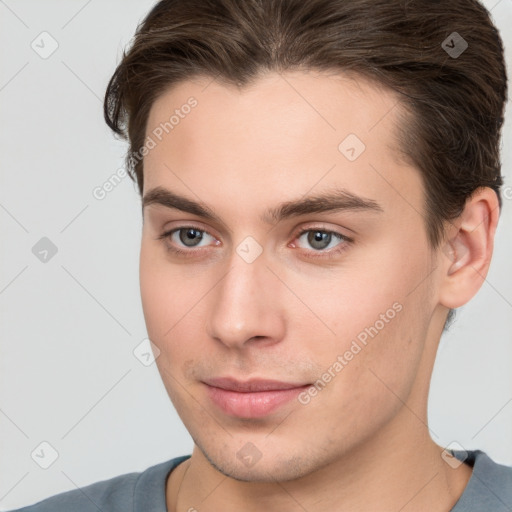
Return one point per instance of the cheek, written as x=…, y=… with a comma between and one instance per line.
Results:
x=163, y=295
x=161, y=307
x=370, y=381
x=379, y=315
x=172, y=307
x=363, y=302
x=152, y=290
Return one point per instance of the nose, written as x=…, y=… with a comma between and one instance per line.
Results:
x=246, y=306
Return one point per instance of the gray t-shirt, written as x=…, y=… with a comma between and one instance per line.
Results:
x=488, y=490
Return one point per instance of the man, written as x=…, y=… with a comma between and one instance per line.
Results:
x=320, y=189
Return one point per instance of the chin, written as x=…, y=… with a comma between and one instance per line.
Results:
x=277, y=467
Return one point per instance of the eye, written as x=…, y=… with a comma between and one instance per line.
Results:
x=186, y=237
x=322, y=241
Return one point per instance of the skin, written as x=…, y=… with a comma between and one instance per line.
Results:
x=362, y=443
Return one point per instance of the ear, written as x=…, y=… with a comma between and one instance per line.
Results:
x=465, y=254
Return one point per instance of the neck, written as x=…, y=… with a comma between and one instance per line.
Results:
x=389, y=473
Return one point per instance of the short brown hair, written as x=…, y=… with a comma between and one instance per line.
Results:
x=455, y=94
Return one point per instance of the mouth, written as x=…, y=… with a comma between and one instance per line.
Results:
x=254, y=398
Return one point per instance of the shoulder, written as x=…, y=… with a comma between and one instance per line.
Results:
x=118, y=494
x=490, y=485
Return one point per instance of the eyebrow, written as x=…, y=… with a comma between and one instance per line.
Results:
x=328, y=201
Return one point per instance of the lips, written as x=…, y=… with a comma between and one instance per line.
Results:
x=254, y=398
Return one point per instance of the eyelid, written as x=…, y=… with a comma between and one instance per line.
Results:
x=186, y=225
x=323, y=228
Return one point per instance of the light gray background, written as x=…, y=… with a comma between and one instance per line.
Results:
x=69, y=326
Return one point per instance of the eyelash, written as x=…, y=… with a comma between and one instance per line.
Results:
x=311, y=254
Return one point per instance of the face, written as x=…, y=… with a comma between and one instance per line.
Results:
x=284, y=241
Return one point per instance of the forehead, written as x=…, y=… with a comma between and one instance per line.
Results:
x=326, y=104
x=282, y=135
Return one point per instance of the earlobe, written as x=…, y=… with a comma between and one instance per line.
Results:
x=466, y=254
